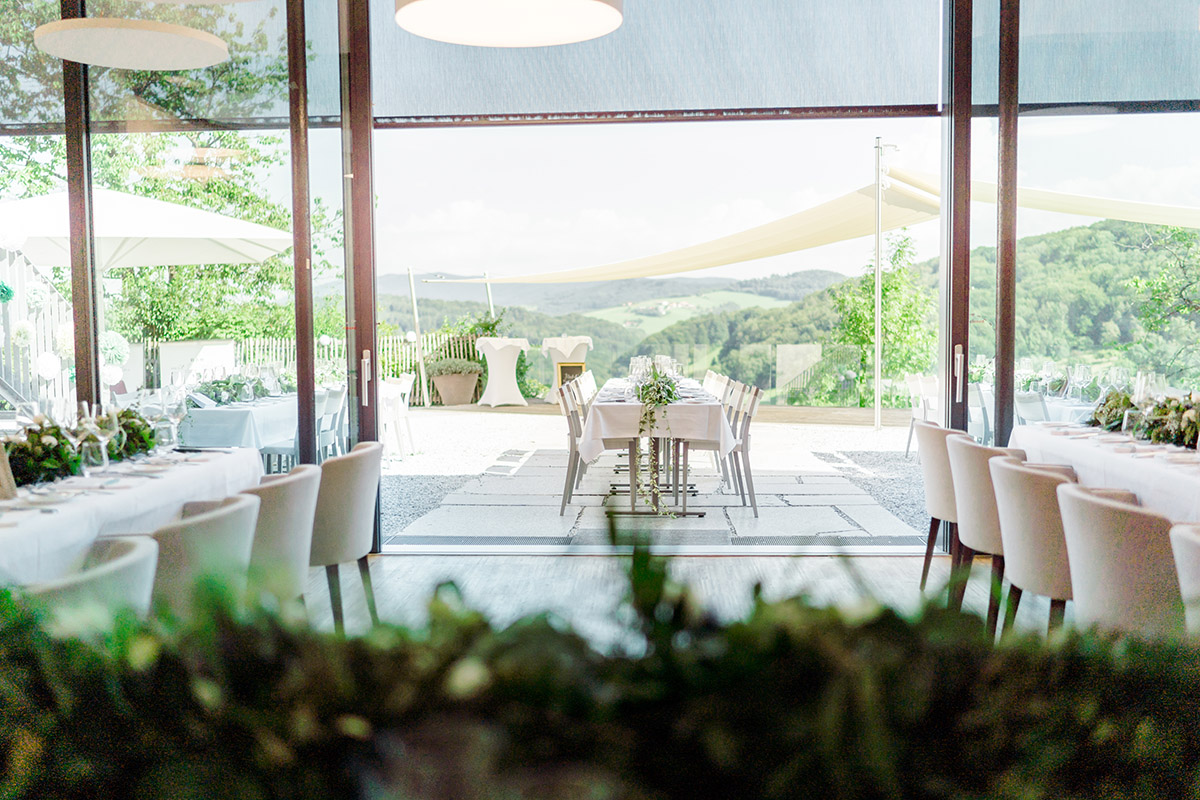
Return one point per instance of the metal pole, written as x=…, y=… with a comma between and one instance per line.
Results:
x=412, y=292
x=491, y=306
x=878, y=282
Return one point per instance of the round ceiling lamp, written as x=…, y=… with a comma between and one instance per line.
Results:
x=130, y=44
x=509, y=23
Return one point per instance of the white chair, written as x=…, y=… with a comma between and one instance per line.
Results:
x=1185, y=543
x=283, y=534
x=1035, y=550
x=287, y=452
x=576, y=467
x=344, y=524
x=1122, y=567
x=978, y=420
x=978, y=521
x=404, y=384
x=917, y=409
x=939, y=488
x=587, y=385
x=329, y=442
x=212, y=540
x=117, y=573
x=1030, y=407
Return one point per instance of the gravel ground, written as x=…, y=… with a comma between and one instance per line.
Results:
x=408, y=497
x=891, y=478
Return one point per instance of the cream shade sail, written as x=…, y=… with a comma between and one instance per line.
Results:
x=909, y=198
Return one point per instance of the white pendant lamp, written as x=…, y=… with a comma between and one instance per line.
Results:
x=130, y=44
x=509, y=23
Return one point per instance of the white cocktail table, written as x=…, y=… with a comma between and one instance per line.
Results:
x=501, y=354
x=571, y=349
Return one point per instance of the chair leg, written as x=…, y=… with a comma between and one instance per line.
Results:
x=912, y=422
x=335, y=597
x=634, y=455
x=412, y=443
x=749, y=481
x=934, y=522
x=736, y=469
x=993, y=616
x=1010, y=611
x=966, y=557
x=1058, y=609
x=572, y=461
x=364, y=569
x=684, y=469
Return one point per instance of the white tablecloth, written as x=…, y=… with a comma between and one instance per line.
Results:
x=38, y=546
x=1060, y=409
x=609, y=418
x=1172, y=490
x=501, y=354
x=258, y=424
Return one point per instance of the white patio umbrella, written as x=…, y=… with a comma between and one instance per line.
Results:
x=133, y=231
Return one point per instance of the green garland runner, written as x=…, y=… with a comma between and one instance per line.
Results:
x=656, y=391
x=41, y=453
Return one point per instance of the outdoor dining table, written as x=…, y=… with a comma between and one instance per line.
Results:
x=256, y=424
x=1165, y=478
x=43, y=537
x=616, y=413
x=1063, y=409
x=501, y=354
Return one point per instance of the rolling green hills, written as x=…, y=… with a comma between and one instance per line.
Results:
x=651, y=316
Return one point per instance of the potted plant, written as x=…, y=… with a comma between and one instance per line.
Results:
x=455, y=379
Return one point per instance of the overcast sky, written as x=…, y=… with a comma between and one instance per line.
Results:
x=513, y=200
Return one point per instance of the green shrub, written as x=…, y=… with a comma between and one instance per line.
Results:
x=452, y=366
x=792, y=701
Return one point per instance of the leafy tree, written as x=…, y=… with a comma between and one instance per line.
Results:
x=908, y=318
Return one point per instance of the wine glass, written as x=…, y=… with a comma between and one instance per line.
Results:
x=177, y=411
x=93, y=456
x=105, y=426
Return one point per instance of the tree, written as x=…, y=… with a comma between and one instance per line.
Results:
x=909, y=319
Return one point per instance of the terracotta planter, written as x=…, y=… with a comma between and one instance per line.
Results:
x=456, y=390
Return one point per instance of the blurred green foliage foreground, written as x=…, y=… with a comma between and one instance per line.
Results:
x=794, y=701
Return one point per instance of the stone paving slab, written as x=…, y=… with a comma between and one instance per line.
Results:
x=827, y=479
x=787, y=521
x=878, y=521
x=597, y=536
x=829, y=500
x=808, y=488
x=519, y=521
x=514, y=485
x=597, y=519
x=548, y=500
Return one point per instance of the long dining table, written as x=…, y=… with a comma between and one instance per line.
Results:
x=615, y=413
x=1165, y=478
x=46, y=534
x=256, y=424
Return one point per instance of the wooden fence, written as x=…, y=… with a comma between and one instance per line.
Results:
x=396, y=355
x=38, y=345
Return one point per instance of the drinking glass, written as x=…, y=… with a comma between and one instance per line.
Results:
x=93, y=456
x=177, y=411
x=106, y=424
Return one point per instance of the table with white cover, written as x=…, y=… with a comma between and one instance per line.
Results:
x=44, y=542
x=614, y=415
x=568, y=349
x=1150, y=471
x=1062, y=409
x=255, y=424
x=501, y=354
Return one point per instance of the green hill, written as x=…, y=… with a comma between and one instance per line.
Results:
x=651, y=316
x=1076, y=302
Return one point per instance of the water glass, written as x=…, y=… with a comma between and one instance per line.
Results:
x=93, y=456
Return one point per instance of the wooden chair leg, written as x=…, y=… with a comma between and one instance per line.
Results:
x=911, y=424
x=934, y=522
x=1058, y=609
x=634, y=456
x=572, y=461
x=1010, y=611
x=364, y=569
x=966, y=557
x=993, y=617
x=335, y=597
x=684, y=479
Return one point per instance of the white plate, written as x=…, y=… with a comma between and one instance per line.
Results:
x=149, y=468
x=47, y=498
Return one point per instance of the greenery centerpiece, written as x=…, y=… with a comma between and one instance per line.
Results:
x=1110, y=413
x=455, y=379
x=41, y=453
x=224, y=391
x=136, y=437
x=1172, y=420
x=655, y=391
